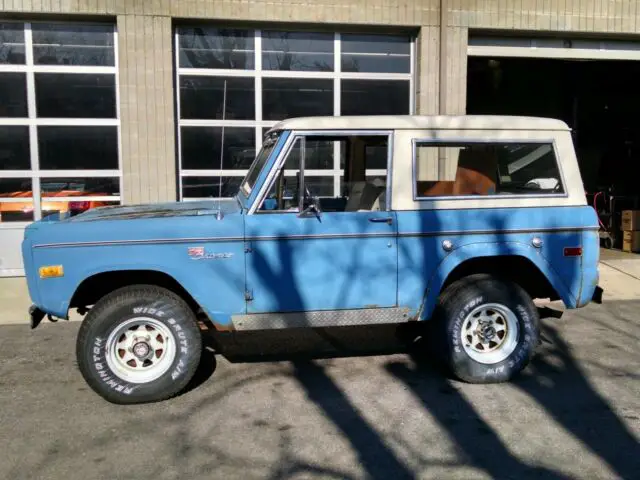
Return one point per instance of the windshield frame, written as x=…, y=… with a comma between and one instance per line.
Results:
x=260, y=167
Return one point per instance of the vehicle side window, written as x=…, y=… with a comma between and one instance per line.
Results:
x=461, y=169
x=361, y=159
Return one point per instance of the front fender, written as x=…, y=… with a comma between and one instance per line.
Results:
x=487, y=250
x=217, y=286
x=201, y=291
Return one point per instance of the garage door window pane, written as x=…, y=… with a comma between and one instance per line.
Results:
x=216, y=48
x=76, y=148
x=297, y=51
x=284, y=97
x=15, y=187
x=203, y=98
x=18, y=189
x=205, y=187
x=75, y=95
x=16, y=212
x=79, y=186
x=72, y=44
x=376, y=54
x=56, y=206
x=13, y=95
x=14, y=148
x=12, y=43
x=201, y=148
x=375, y=97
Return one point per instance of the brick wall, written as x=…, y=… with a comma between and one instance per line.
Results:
x=615, y=16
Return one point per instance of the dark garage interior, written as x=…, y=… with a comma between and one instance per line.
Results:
x=598, y=99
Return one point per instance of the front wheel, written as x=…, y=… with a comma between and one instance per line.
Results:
x=487, y=329
x=139, y=344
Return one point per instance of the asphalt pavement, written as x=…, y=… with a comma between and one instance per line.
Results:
x=380, y=413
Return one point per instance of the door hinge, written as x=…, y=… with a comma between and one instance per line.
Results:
x=248, y=296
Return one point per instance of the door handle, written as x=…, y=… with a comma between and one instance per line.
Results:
x=388, y=220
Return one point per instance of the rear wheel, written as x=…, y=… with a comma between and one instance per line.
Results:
x=139, y=344
x=485, y=329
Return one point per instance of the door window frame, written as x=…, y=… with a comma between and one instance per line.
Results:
x=283, y=154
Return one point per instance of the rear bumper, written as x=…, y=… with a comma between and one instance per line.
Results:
x=597, y=294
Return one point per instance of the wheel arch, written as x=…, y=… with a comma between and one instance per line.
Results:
x=516, y=268
x=96, y=286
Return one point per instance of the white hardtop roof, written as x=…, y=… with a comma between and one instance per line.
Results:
x=418, y=122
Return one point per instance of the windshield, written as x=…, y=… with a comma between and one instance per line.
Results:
x=258, y=164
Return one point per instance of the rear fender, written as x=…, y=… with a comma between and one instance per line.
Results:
x=487, y=250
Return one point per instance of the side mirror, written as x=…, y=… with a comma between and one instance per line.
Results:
x=312, y=210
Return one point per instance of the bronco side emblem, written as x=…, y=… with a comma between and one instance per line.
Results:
x=199, y=253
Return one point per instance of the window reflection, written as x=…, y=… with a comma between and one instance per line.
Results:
x=215, y=48
x=12, y=43
x=297, y=51
x=20, y=209
x=285, y=97
x=14, y=148
x=80, y=186
x=73, y=44
x=73, y=95
x=201, y=148
x=13, y=94
x=375, y=97
x=77, y=148
x=376, y=54
x=210, y=187
x=204, y=97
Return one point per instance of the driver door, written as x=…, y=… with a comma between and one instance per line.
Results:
x=302, y=258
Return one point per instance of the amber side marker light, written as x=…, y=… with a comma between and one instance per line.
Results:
x=51, y=271
x=572, y=251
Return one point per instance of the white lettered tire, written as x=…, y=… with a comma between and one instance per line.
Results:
x=485, y=329
x=139, y=344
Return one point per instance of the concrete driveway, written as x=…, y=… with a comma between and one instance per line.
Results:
x=574, y=414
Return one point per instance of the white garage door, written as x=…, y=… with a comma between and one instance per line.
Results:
x=576, y=49
x=59, y=126
x=234, y=84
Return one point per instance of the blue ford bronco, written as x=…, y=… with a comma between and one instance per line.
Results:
x=459, y=222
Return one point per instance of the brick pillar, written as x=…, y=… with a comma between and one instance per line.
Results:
x=146, y=108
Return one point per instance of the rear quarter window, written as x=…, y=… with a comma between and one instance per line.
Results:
x=486, y=169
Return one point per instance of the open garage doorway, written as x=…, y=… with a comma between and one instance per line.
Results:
x=599, y=99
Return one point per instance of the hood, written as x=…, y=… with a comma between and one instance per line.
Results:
x=222, y=207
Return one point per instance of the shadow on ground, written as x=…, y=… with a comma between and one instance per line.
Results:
x=554, y=380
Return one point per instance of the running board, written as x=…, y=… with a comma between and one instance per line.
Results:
x=322, y=318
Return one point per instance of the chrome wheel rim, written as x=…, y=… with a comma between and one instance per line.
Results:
x=140, y=350
x=490, y=333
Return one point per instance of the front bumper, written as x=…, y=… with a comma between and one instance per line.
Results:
x=36, y=316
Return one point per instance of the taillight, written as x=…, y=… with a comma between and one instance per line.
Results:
x=572, y=251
